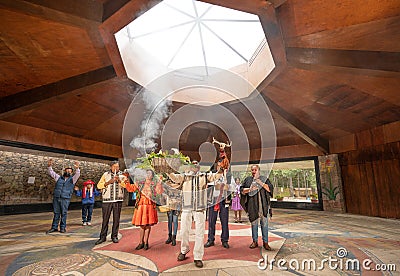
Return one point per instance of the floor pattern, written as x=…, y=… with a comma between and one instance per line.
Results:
x=297, y=237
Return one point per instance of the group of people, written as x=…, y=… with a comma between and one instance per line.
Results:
x=191, y=193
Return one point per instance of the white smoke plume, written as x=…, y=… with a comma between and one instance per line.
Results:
x=138, y=174
x=156, y=110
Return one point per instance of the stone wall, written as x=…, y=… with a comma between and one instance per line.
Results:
x=17, y=167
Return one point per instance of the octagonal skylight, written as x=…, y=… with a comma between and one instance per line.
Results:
x=177, y=34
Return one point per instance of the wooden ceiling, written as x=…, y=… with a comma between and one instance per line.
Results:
x=63, y=85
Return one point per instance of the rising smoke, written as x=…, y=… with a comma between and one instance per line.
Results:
x=156, y=110
x=138, y=174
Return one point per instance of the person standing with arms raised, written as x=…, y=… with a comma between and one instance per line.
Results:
x=62, y=194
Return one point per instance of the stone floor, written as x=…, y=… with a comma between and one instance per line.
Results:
x=303, y=242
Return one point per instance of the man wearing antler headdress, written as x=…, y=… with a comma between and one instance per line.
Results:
x=220, y=198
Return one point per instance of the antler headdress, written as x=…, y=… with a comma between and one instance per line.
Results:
x=223, y=159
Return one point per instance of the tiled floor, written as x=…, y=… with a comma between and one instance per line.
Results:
x=330, y=244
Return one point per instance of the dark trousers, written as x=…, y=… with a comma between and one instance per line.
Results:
x=212, y=220
x=87, y=211
x=60, y=209
x=172, y=221
x=106, y=208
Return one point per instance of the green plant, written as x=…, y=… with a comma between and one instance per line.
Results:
x=331, y=192
x=146, y=161
x=278, y=197
x=314, y=196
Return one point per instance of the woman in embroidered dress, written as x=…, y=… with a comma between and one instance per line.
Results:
x=145, y=213
x=236, y=207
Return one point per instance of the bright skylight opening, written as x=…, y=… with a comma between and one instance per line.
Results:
x=178, y=34
x=185, y=33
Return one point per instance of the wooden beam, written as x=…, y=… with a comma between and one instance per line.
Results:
x=273, y=33
x=119, y=19
x=277, y=3
x=371, y=60
x=250, y=6
x=284, y=152
x=271, y=76
x=20, y=145
x=88, y=9
x=42, y=137
x=110, y=7
x=297, y=126
x=28, y=99
x=334, y=70
x=371, y=35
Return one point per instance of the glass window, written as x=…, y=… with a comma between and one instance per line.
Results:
x=293, y=181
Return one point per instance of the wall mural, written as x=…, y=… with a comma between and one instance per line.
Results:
x=331, y=183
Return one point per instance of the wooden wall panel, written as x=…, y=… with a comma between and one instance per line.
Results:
x=393, y=185
x=371, y=180
x=329, y=15
x=369, y=36
x=362, y=190
x=371, y=195
x=377, y=136
x=381, y=135
x=383, y=194
x=396, y=170
x=391, y=132
x=364, y=139
x=343, y=144
x=350, y=176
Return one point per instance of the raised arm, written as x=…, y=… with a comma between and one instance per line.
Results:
x=102, y=182
x=131, y=187
x=77, y=172
x=52, y=173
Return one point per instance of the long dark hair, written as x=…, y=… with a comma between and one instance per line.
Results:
x=152, y=173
